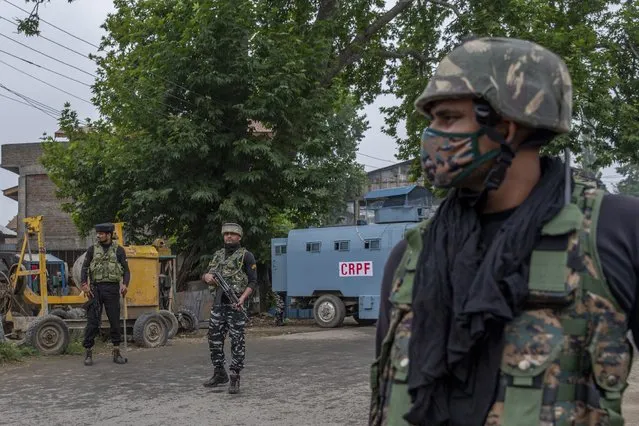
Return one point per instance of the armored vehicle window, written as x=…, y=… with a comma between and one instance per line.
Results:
x=280, y=250
x=342, y=245
x=313, y=247
x=374, y=244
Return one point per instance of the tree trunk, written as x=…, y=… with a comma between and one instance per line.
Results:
x=264, y=285
x=187, y=266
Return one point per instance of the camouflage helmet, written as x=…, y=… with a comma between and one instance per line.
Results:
x=232, y=227
x=521, y=80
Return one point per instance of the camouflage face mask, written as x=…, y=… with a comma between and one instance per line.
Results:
x=448, y=158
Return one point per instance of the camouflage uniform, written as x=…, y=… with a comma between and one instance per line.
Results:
x=566, y=358
x=230, y=263
x=279, y=309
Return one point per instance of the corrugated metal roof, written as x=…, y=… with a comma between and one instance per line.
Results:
x=13, y=223
x=389, y=192
x=33, y=258
x=7, y=232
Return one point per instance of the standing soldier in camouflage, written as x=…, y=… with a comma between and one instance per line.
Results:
x=279, y=309
x=511, y=305
x=105, y=263
x=237, y=265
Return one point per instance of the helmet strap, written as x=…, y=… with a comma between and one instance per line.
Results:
x=498, y=171
x=504, y=160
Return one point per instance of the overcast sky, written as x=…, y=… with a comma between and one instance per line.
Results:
x=82, y=18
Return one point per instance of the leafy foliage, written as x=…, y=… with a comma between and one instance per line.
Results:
x=598, y=40
x=181, y=82
x=236, y=126
x=630, y=183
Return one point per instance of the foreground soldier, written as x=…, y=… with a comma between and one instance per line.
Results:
x=511, y=305
x=237, y=266
x=106, y=264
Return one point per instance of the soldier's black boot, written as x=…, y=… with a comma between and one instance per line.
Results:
x=234, y=387
x=219, y=377
x=88, y=357
x=117, y=357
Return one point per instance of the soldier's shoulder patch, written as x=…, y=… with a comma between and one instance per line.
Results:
x=254, y=266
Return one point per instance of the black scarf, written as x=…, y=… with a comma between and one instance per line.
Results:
x=464, y=294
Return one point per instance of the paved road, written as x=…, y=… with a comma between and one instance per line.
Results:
x=313, y=378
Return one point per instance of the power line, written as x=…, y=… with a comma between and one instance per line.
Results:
x=48, y=56
x=52, y=41
x=48, y=84
x=375, y=158
x=50, y=111
x=44, y=68
x=49, y=23
x=14, y=100
x=182, y=99
x=97, y=47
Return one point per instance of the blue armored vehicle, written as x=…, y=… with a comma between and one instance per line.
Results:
x=333, y=272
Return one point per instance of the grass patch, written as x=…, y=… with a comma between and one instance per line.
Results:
x=13, y=353
x=75, y=347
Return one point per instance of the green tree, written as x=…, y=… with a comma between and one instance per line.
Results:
x=180, y=81
x=597, y=39
x=629, y=185
x=181, y=88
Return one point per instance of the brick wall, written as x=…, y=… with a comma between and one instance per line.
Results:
x=59, y=230
x=21, y=154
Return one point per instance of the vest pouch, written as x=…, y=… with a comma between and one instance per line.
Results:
x=556, y=261
x=528, y=387
x=399, y=402
x=611, y=358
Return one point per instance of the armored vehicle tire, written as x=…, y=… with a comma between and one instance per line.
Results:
x=329, y=311
x=49, y=335
x=188, y=320
x=170, y=321
x=150, y=330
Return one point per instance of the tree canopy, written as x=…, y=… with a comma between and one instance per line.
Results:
x=181, y=82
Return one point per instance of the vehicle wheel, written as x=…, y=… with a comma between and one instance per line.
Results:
x=150, y=331
x=187, y=320
x=49, y=335
x=362, y=321
x=171, y=322
x=329, y=311
x=59, y=312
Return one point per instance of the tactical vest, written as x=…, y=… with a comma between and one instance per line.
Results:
x=566, y=358
x=104, y=266
x=231, y=268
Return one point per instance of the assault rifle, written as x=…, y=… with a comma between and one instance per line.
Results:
x=226, y=288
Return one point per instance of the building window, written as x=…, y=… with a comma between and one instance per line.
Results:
x=280, y=250
x=373, y=244
x=313, y=247
x=342, y=245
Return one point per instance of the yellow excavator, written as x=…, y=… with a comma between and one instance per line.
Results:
x=44, y=321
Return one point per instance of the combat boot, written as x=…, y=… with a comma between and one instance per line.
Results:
x=117, y=357
x=88, y=357
x=219, y=377
x=234, y=387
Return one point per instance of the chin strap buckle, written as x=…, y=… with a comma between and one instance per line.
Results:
x=498, y=172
